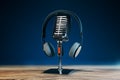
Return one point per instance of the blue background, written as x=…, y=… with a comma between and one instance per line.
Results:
x=21, y=24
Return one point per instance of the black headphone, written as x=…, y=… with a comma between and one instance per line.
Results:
x=48, y=47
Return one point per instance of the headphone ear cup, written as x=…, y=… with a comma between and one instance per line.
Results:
x=75, y=50
x=48, y=49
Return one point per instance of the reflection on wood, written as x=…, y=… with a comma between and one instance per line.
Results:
x=50, y=73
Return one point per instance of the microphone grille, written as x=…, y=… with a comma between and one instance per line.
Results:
x=61, y=28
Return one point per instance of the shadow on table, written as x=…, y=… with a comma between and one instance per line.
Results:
x=65, y=71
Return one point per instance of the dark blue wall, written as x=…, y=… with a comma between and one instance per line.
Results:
x=20, y=31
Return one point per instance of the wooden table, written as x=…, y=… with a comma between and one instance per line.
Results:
x=72, y=72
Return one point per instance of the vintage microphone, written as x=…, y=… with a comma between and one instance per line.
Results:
x=60, y=34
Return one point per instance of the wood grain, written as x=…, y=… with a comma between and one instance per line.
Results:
x=76, y=73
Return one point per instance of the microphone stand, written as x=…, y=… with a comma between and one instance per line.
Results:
x=59, y=45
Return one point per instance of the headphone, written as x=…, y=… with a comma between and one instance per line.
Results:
x=48, y=47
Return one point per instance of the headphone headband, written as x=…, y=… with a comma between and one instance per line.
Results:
x=60, y=12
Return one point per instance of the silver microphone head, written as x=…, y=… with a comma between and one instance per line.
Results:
x=61, y=28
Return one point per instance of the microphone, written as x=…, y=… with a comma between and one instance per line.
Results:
x=61, y=28
x=61, y=34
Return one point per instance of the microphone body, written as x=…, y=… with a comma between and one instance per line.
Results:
x=61, y=28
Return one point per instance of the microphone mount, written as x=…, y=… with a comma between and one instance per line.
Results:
x=59, y=45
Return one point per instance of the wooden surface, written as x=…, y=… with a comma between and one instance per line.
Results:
x=76, y=73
